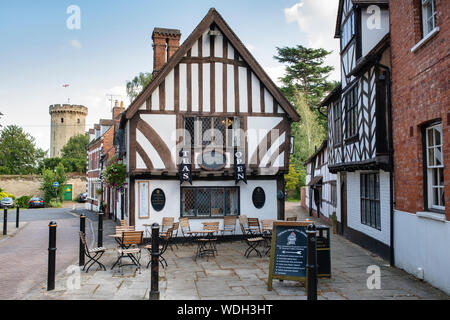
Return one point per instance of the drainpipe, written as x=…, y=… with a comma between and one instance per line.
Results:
x=391, y=163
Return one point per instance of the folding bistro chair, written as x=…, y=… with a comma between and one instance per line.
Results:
x=253, y=226
x=252, y=242
x=129, y=248
x=185, y=229
x=243, y=220
x=229, y=225
x=267, y=226
x=174, y=235
x=212, y=226
x=164, y=243
x=167, y=223
x=93, y=254
x=123, y=223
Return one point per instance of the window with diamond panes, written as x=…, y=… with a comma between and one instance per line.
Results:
x=209, y=202
x=219, y=132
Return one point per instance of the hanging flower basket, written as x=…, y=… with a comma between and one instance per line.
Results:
x=115, y=174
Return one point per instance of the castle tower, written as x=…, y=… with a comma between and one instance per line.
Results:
x=67, y=121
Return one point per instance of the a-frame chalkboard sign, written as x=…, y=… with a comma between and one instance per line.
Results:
x=288, y=252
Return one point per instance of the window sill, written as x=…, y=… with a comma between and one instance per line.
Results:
x=425, y=39
x=432, y=216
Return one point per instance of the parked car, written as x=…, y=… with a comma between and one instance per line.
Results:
x=36, y=202
x=7, y=202
x=82, y=197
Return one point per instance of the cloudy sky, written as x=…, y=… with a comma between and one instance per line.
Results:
x=39, y=53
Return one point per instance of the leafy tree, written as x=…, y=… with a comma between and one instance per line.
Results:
x=18, y=151
x=305, y=72
x=292, y=178
x=305, y=85
x=47, y=179
x=74, y=153
x=61, y=177
x=308, y=133
x=76, y=147
x=48, y=163
x=135, y=86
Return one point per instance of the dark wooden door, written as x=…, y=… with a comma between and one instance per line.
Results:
x=343, y=203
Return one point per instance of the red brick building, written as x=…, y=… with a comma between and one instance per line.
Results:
x=421, y=136
x=100, y=151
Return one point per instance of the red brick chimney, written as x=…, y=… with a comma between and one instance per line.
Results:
x=117, y=110
x=165, y=43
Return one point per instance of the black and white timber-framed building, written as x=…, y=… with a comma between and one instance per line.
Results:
x=209, y=136
x=359, y=132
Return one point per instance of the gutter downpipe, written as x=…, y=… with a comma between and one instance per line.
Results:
x=391, y=164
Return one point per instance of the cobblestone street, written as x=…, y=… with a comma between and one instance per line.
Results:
x=232, y=276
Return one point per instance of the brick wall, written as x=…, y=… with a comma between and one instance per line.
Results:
x=30, y=185
x=419, y=94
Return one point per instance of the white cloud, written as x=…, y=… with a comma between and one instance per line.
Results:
x=317, y=20
x=293, y=13
x=75, y=44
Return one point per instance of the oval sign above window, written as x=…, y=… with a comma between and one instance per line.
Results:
x=158, y=199
x=258, y=197
x=212, y=160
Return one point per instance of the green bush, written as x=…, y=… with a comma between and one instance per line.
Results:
x=48, y=177
x=22, y=202
x=55, y=204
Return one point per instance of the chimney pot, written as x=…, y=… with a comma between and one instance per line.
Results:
x=165, y=43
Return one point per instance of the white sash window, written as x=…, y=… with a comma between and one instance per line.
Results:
x=428, y=16
x=435, y=168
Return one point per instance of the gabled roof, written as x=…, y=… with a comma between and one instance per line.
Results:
x=213, y=17
x=106, y=122
x=337, y=33
x=321, y=148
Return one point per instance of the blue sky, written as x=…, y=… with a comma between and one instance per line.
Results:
x=39, y=53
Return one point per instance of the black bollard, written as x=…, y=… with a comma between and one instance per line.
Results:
x=100, y=230
x=311, y=263
x=17, y=217
x=5, y=221
x=51, y=256
x=82, y=229
x=154, y=285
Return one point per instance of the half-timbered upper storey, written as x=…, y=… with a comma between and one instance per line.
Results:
x=211, y=97
x=360, y=26
x=358, y=111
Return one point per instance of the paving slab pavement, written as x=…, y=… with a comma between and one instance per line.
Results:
x=232, y=276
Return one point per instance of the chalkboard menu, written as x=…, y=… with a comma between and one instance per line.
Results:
x=158, y=199
x=258, y=197
x=288, y=251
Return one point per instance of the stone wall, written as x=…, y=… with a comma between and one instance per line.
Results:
x=29, y=185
